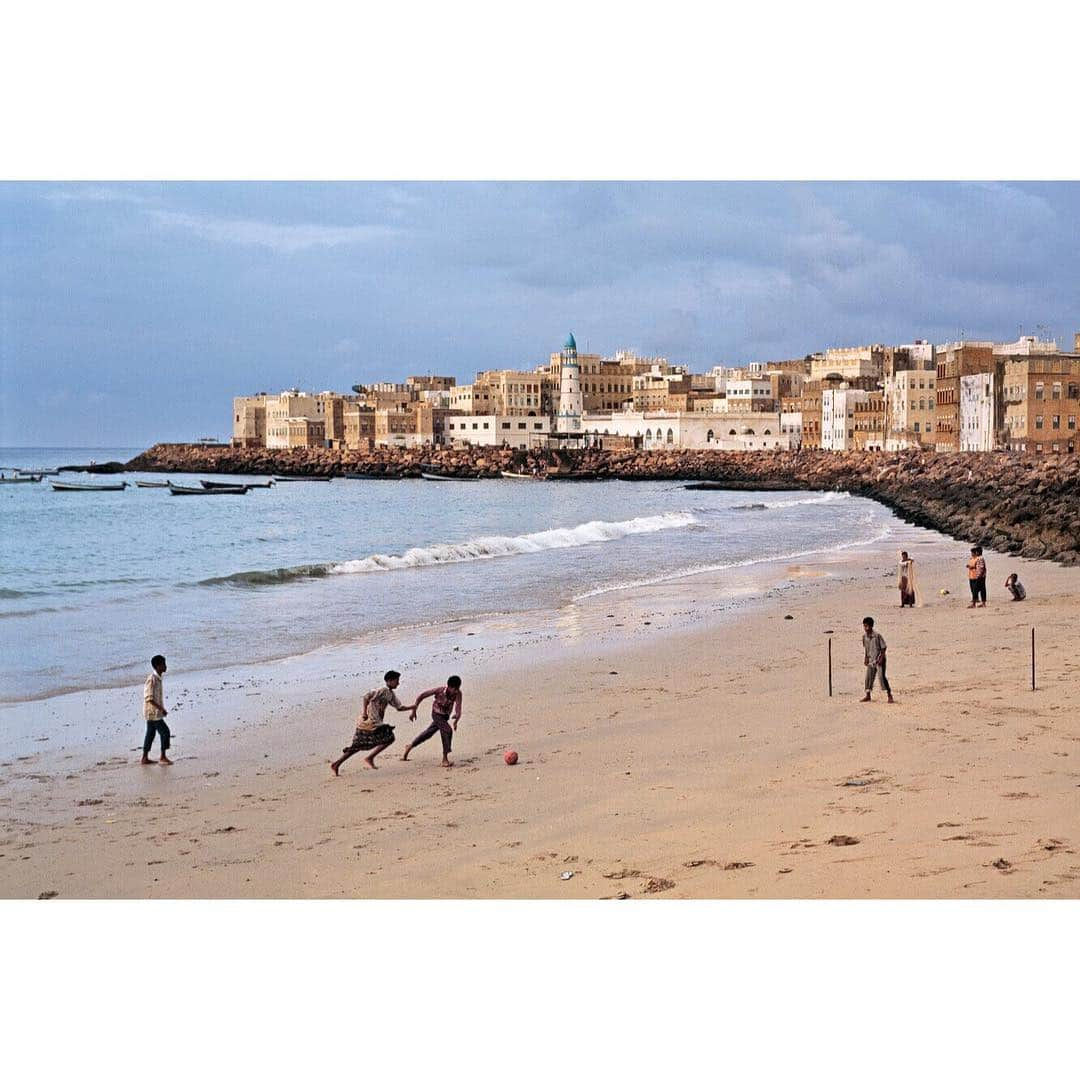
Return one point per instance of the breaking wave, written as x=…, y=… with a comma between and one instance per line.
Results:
x=481, y=547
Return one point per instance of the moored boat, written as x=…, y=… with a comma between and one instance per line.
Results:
x=58, y=485
x=210, y=485
x=20, y=479
x=297, y=479
x=572, y=476
x=38, y=472
x=705, y=485
x=371, y=476
x=522, y=476
x=152, y=483
x=440, y=476
x=237, y=489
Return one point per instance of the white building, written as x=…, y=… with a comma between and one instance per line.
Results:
x=838, y=418
x=748, y=393
x=516, y=432
x=568, y=420
x=693, y=430
x=791, y=425
x=977, y=427
x=1027, y=345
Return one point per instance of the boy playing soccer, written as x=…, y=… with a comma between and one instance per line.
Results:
x=371, y=733
x=445, y=698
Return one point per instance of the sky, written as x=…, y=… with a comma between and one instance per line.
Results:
x=133, y=313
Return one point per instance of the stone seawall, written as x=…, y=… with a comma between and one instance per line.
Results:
x=1006, y=502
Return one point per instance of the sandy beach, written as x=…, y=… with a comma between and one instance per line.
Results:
x=670, y=747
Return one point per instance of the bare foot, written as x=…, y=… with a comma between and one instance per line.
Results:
x=334, y=767
x=405, y=756
x=447, y=764
x=867, y=698
x=370, y=764
x=892, y=700
x=163, y=760
x=146, y=761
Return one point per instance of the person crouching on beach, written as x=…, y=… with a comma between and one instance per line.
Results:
x=445, y=698
x=874, y=658
x=371, y=733
x=1012, y=583
x=154, y=713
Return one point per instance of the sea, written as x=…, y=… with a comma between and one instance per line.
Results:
x=92, y=584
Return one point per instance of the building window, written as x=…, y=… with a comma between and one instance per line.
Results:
x=916, y=427
x=670, y=436
x=1055, y=423
x=1055, y=391
x=1040, y=392
x=1038, y=423
x=1072, y=423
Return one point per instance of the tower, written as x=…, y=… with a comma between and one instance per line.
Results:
x=568, y=419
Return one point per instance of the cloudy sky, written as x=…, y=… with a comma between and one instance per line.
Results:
x=131, y=313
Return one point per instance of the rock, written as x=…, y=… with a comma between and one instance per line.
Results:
x=842, y=841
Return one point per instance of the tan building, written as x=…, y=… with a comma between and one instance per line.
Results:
x=863, y=361
x=303, y=432
x=1076, y=342
x=607, y=384
x=421, y=383
x=911, y=408
x=291, y=405
x=954, y=361
x=358, y=423
x=869, y=421
x=512, y=393
x=249, y=420
x=807, y=407
x=1042, y=403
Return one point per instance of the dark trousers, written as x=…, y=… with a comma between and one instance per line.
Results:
x=158, y=727
x=874, y=670
x=978, y=589
x=441, y=724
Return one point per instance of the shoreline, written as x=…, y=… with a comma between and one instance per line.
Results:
x=680, y=755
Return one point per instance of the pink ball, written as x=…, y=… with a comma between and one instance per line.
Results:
x=510, y=757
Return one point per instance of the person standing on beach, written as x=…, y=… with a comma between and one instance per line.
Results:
x=154, y=713
x=874, y=658
x=905, y=580
x=371, y=733
x=445, y=698
x=976, y=568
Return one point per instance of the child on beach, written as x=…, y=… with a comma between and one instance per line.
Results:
x=371, y=733
x=1012, y=583
x=154, y=712
x=976, y=568
x=874, y=658
x=445, y=698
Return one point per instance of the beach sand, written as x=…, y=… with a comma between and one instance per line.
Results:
x=663, y=754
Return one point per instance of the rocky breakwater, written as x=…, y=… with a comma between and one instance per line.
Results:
x=1007, y=502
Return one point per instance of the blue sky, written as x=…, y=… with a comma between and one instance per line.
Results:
x=131, y=313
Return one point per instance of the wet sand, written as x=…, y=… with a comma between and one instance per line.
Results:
x=664, y=753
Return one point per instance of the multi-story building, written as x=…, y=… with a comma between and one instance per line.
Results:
x=292, y=405
x=1027, y=345
x=358, y=424
x=1041, y=396
x=838, y=417
x=753, y=394
x=869, y=421
x=517, y=432
x=807, y=406
x=982, y=410
x=691, y=430
x=791, y=425
x=910, y=408
x=863, y=361
x=249, y=420
x=953, y=362
x=1076, y=342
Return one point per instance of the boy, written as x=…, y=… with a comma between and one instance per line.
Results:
x=1012, y=583
x=154, y=712
x=371, y=733
x=976, y=568
x=874, y=658
x=445, y=698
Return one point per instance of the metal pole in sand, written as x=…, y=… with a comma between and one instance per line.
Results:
x=1033, y=658
x=830, y=668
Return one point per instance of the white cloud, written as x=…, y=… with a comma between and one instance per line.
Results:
x=285, y=239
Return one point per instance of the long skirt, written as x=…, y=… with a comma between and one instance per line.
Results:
x=907, y=595
x=369, y=739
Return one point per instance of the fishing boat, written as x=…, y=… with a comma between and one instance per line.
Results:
x=236, y=489
x=58, y=485
x=38, y=472
x=440, y=476
x=522, y=476
x=20, y=479
x=572, y=476
x=706, y=485
x=211, y=485
x=371, y=476
x=152, y=483
x=296, y=479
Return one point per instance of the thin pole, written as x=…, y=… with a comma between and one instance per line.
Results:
x=1033, y=658
x=830, y=668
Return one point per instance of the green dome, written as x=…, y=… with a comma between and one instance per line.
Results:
x=570, y=343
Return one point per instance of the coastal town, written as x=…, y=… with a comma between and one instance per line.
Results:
x=964, y=396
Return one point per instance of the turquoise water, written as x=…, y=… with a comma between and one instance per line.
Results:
x=92, y=584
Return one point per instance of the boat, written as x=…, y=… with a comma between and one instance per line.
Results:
x=152, y=483
x=295, y=479
x=38, y=472
x=65, y=485
x=371, y=476
x=20, y=479
x=237, y=489
x=706, y=485
x=572, y=476
x=211, y=485
x=522, y=476
x=439, y=476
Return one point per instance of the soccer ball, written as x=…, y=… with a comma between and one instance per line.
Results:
x=510, y=757
x=944, y=592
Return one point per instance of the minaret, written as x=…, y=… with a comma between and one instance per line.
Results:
x=568, y=419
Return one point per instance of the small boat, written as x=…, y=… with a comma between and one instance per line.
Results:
x=236, y=489
x=211, y=485
x=572, y=476
x=38, y=472
x=295, y=479
x=58, y=485
x=20, y=479
x=371, y=476
x=152, y=483
x=522, y=476
x=706, y=485
x=439, y=476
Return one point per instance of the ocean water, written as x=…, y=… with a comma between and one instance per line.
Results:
x=92, y=584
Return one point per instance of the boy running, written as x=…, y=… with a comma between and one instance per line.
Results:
x=445, y=698
x=874, y=658
x=154, y=713
x=371, y=733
